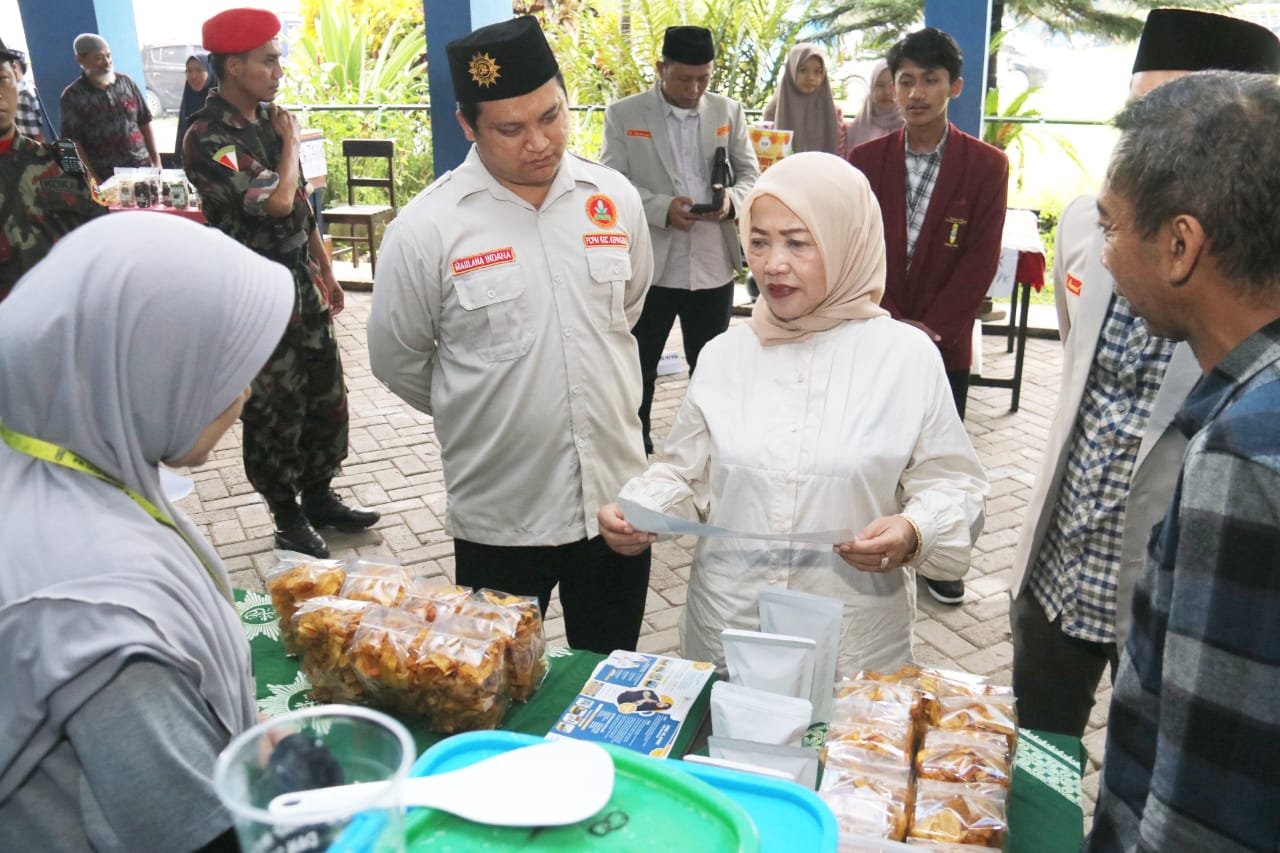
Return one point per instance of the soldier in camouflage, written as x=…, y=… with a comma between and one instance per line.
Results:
x=242, y=154
x=40, y=200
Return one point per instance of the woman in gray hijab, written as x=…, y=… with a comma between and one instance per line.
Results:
x=125, y=668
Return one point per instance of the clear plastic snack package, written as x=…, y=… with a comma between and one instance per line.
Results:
x=429, y=597
x=323, y=627
x=960, y=813
x=964, y=755
x=383, y=654
x=994, y=713
x=464, y=682
x=866, y=811
x=865, y=701
x=871, y=741
x=527, y=650
x=291, y=582
x=892, y=780
x=380, y=582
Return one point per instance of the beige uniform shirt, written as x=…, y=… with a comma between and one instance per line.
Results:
x=511, y=326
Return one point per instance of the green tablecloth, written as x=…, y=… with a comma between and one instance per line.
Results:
x=1045, y=813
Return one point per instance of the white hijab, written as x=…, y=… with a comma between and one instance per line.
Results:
x=122, y=345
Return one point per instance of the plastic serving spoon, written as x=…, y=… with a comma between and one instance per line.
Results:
x=546, y=784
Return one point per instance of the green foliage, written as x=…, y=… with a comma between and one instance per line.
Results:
x=884, y=21
x=609, y=52
x=1013, y=137
x=345, y=62
x=378, y=15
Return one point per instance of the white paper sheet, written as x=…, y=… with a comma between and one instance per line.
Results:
x=650, y=521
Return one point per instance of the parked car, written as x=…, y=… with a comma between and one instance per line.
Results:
x=164, y=67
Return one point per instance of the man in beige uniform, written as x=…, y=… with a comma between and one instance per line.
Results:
x=503, y=304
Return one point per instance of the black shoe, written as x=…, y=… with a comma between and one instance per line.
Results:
x=327, y=510
x=300, y=536
x=947, y=592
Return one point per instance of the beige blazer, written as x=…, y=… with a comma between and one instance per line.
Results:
x=1083, y=288
x=636, y=143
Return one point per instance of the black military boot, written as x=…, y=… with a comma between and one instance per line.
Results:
x=323, y=508
x=295, y=533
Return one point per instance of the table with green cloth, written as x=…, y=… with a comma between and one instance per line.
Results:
x=1045, y=813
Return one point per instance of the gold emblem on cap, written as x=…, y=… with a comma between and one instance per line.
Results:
x=484, y=70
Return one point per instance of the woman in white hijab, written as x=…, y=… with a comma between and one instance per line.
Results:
x=125, y=668
x=821, y=413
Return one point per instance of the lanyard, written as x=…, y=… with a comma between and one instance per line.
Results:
x=46, y=451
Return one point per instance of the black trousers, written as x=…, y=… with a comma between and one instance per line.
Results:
x=703, y=315
x=959, y=382
x=603, y=593
x=1055, y=676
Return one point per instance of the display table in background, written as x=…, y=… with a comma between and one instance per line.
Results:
x=1045, y=813
x=192, y=213
x=1021, y=271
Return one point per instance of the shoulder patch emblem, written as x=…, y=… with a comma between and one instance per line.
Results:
x=602, y=212
x=1074, y=284
x=226, y=156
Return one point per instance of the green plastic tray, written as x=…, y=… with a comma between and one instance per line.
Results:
x=653, y=807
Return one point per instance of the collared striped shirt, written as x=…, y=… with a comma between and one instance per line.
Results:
x=922, y=174
x=1074, y=575
x=1192, y=746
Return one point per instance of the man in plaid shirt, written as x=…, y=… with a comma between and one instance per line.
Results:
x=1193, y=741
x=30, y=118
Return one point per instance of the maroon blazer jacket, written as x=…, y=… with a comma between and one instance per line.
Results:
x=959, y=245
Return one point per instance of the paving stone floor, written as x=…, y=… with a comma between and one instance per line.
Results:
x=394, y=466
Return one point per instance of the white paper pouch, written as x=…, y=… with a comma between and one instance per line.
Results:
x=774, y=662
x=749, y=714
x=799, y=763
x=803, y=614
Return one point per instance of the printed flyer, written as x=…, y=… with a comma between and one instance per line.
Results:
x=635, y=700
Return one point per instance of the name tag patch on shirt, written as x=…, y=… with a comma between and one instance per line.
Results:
x=491, y=258
x=642, y=134
x=722, y=130
x=602, y=212
x=615, y=238
x=1074, y=284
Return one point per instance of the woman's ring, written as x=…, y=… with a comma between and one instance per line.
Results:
x=884, y=561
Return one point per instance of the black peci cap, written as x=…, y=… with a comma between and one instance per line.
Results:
x=689, y=45
x=1186, y=40
x=10, y=55
x=503, y=60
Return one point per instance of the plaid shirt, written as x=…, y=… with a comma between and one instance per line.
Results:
x=922, y=174
x=1075, y=573
x=1193, y=739
x=30, y=120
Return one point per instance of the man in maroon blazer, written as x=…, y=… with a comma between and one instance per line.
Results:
x=942, y=193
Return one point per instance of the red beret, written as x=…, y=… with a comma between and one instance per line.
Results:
x=238, y=30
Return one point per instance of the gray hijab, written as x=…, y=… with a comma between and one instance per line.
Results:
x=122, y=345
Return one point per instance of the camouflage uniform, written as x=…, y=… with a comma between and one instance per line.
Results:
x=39, y=203
x=295, y=424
